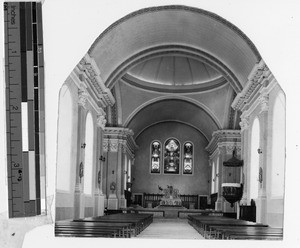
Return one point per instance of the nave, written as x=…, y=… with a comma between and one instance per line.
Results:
x=172, y=128
x=163, y=228
x=197, y=226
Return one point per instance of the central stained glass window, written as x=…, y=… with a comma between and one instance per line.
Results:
x=171, y=156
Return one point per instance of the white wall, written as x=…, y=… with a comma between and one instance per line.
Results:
x=71, y=26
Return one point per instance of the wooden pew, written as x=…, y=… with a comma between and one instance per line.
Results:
x=138, y=221
x=117, y=229
x=227, y=228
x=228, y=232
x=115, y=225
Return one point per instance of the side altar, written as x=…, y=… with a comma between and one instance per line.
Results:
x=170, y=197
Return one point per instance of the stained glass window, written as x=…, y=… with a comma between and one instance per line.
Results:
x=188, y=158
x=155, y=157
x=171, y=156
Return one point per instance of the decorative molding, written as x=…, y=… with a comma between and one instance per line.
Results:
x=264, y=102
x=179, y=50
x=205, y=86
x=119, y=139
x=244, y=124
x=83, y=91
x=231, y=146
x=101, y=121
x=105, y=145
x=259, y=77
x=82, y=98
x=88, y=72
x=113, y=145
x=211, y=15
x=215, y=153
x=224, y=138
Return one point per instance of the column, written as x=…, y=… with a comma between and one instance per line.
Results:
x=245, y=177
x=219, y=174
x=112, y=166
x=120, y=145
x=261, y=206
x=78, y=194
x=101, y=122
x=104, y=183
x=123, y=173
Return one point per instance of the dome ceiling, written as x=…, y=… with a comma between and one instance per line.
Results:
x=174, y=71
x=189, y=31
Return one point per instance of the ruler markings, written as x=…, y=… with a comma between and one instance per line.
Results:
x=24, y=76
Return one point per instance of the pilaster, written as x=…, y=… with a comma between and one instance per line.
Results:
x=118, y=143
x=79, y=196
x=245, y=148
x=262, y=195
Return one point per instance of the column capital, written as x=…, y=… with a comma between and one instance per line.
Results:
x=244, y=124
x=224, y=138
x=89, y=70
x=264, y=102
x=101, y=121
x=123, y=137
x=82, y=98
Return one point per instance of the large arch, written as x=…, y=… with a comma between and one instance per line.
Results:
x=146, y=32
x=173, y=109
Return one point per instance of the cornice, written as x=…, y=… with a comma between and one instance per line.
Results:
x=88, y=72
x=201, y=87
x=206, y=13
x=259, y=78
x=124, y=136
x=224, y=138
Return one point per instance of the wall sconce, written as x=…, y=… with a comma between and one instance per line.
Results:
x=259, y=151
x=125, y=172
x=113, y=172
x=102, y=158
x=260, y=175
x=83, y=145
x=81, y=171
x=217, y=175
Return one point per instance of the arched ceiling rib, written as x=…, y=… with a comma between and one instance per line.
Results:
x=173, y=110
x=174, y=71
x=180, y=25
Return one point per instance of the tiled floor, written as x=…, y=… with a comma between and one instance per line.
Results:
x=163, y=228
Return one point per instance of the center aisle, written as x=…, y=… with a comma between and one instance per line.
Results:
x=162, y=228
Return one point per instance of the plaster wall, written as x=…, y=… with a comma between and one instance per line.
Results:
x=144, y=182
x=273, y=215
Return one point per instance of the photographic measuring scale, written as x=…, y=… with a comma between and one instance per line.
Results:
x=25, y=109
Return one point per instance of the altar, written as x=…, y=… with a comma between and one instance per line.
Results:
x=171, y=197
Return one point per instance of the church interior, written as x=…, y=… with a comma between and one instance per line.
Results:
x=173, y=114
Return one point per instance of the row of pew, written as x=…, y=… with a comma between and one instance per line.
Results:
x=219, y=227
x=108, y=226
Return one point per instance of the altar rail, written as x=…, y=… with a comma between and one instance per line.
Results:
x=188, y=201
